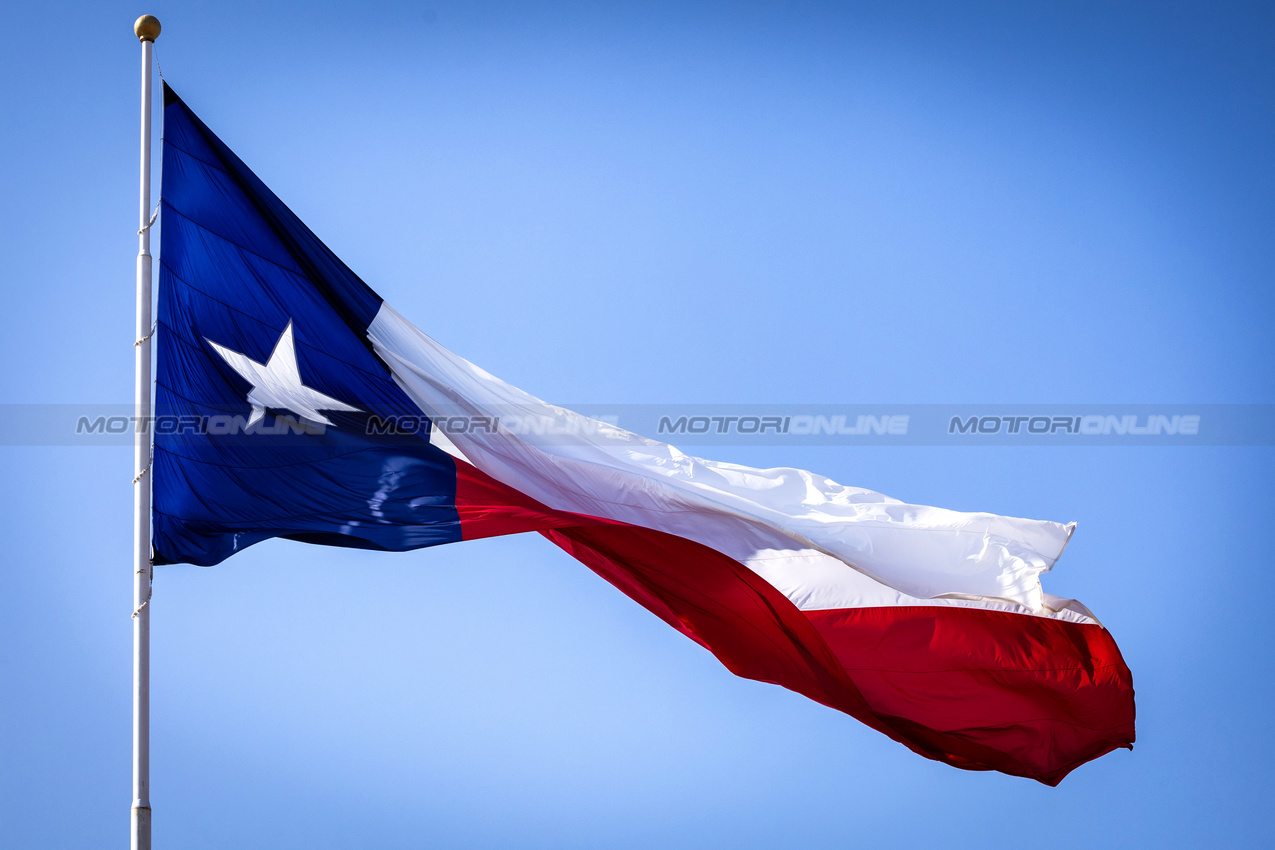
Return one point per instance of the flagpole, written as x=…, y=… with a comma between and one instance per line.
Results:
x=147, y=30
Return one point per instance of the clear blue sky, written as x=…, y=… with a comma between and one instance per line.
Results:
x=633, y=203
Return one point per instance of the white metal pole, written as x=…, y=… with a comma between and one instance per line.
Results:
x=147, y=30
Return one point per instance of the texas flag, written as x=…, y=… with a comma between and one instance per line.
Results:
x=293, y=402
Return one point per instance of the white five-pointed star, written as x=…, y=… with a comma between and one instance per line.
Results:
x=277, y=384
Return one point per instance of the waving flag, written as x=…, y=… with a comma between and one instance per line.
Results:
x=293, y=402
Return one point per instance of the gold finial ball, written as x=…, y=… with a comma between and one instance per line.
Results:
x=147, y=28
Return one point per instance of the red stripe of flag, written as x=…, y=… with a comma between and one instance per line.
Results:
x=975, y=688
